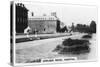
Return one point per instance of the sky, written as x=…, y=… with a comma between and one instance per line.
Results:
x=67, y=13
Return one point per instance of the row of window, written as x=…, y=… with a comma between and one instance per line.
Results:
x=42, y=18
x=21, y=19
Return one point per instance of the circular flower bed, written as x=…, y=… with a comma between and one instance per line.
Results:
x=73, y=46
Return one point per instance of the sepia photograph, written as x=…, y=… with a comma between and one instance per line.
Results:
x=52, y=32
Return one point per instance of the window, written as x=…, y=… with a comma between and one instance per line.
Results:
x=44, y=29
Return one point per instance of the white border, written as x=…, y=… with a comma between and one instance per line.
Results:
x=14, y=44
x=14, y=16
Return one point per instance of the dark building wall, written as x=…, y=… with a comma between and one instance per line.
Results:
x=60, y=29
x=11, y=19
x=11, y=32
x=21, y=17
x=58, y=26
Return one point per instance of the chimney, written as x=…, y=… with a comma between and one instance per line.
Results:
x=32, y=14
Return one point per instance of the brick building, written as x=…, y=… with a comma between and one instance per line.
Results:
x=21, y=17
x=42, y=24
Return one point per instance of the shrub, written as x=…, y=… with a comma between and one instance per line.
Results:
x=58, y=47
x=73, y=46
x=87, y=36
x=71, y=42
x=75, y=50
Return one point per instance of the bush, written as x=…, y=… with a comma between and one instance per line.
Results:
x=58, y=47
x=87, y=36
x=75, y=50
x=71, y=42
x=73, y=46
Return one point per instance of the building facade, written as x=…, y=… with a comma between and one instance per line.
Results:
x=21, y=17
x=42, y=24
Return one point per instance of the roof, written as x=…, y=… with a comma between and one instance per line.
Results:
x=43, y=18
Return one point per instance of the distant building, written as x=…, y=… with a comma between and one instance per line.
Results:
x=42, y=24
x=21, y=17
x=54, y=14
x=58, y=21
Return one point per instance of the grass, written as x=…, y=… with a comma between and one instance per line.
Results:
x=25, y=39
x=38, y=38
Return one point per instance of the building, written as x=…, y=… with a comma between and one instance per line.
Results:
x=11, y=19
x=21, y=17
x=42, y=24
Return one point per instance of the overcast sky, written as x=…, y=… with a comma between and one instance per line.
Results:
x=65, y=12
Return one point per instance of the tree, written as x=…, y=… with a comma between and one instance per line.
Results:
x=93, y=27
